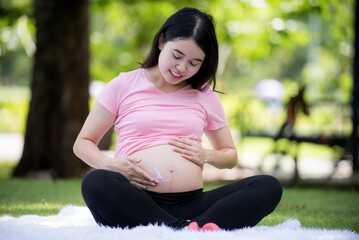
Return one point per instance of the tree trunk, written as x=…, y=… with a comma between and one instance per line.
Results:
x=60, y=81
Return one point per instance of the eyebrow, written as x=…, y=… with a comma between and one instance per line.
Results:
x=197, y=59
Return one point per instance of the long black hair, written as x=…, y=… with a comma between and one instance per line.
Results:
x=190, y=23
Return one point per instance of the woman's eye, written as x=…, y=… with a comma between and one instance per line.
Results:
x=176, y=57
x=193, y=64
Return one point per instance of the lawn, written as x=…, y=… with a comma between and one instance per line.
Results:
x=319, y=208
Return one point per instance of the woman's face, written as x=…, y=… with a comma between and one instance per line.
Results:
x=179, y=60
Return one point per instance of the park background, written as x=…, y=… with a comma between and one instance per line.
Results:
x=289, y=45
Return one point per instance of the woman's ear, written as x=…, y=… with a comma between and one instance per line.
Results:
x=160, y=42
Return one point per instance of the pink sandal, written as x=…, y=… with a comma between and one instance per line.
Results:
x=210, y=227
x=193, y=226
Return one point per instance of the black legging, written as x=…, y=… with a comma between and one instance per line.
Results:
x=114, y=201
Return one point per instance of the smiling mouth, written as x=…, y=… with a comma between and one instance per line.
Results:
x=175, y=74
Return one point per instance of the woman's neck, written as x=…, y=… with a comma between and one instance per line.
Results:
x=155, y=77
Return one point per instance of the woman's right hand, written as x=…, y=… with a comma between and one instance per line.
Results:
x=127, y=166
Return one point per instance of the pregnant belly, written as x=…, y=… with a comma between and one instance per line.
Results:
x=175, y=173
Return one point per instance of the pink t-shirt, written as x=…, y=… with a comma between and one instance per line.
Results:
x=146, y=116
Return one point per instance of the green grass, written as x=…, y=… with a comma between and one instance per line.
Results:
x=41, y=197
x=313, y=207
x=318, y=208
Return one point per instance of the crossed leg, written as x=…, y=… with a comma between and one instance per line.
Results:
x=114, y=201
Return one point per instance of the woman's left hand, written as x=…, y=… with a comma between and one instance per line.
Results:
x=191, y=150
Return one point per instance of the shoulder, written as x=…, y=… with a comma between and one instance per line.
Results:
x=125, y=79
x=127, y=76
x=209, y=99
x=208, y=94
x=137, y=73
x=120, y=84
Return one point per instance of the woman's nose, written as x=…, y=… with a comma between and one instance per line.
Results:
x=182, y=67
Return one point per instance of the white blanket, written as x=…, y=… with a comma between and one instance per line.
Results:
x=74, y=222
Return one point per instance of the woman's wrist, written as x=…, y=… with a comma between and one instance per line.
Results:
x=222, y=158
x=208, y=156
x=110, y=164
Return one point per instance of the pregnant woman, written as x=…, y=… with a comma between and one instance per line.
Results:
x=160, y=112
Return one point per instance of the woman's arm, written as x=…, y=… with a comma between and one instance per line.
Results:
x=223, y=154
x=96, y=125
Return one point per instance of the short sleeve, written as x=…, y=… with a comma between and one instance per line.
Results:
x=216, y=117
x=110, y=96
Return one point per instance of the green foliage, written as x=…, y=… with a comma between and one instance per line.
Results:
x=296, y=42
x=16, y=41
x=6, y=169
x=305, y=41
x=253, y=116
x=13, y=108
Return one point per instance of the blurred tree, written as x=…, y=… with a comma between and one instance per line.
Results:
x=60, y=81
